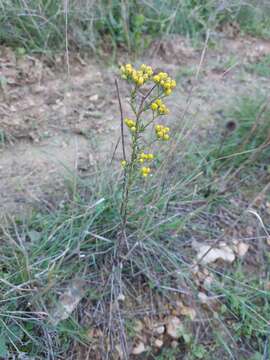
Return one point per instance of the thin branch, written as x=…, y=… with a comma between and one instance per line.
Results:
x=122, y=120
x=115, y=148
x=144, y=98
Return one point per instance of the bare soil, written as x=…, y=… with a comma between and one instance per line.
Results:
x=60, y=117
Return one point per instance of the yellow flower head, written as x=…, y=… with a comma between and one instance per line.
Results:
x=160, y=107
x=156, y=79
x=140, y=81
x=145, y=157
x=128, y=69
x=154, y=106
x=145, y=77
x=162, y=132
x=145, y=73
x=168, y=92
x=145, y=171
x=164, y=81
x=138, y=77
x=149, y=71
x=135, y=76
x=123, y=163
x=130, y=123
x=166, y=137
x=163, y=75
x=167, y=85
x=143, y=67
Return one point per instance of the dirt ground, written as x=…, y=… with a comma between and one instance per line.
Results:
x=57, y=117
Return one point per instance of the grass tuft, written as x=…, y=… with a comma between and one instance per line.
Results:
x=261, y=68
x=43, y=26
x=42, y=257
x=244, y=134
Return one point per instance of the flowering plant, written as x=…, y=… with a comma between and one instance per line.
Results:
x=147, y=92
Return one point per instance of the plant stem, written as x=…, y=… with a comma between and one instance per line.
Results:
x=128, y=180
x=129, y=169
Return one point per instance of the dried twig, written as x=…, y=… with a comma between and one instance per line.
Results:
x=121, y=119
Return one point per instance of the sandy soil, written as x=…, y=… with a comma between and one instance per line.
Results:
x=53, y=122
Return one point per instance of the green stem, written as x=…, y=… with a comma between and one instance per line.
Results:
x=128, y=180
x=129, y=170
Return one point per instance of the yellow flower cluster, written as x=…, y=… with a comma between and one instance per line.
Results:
x=130, y=124
x=145, y=171
x=162, y=132
x=144, y=157
x=139, y=77
x=160, y=107
x=160, y=85
x=167, y=83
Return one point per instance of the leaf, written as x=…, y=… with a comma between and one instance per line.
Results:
x=139, y=348
x=139, y=20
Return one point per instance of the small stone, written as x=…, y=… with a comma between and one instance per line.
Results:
x=159, y=330
x=208, y=254
x=158, y=343
x=121, y=297
x=174, y=344
x=94, y=98
x=139, y=349
x=173, y=326
x=203, y=297
x=242, y=249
